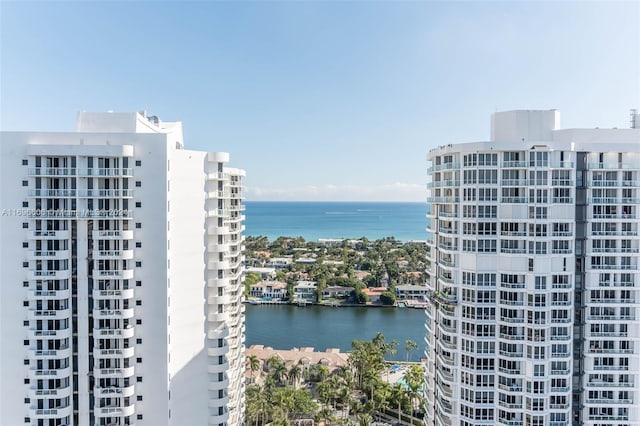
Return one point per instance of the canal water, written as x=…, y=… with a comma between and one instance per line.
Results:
x=287, y=326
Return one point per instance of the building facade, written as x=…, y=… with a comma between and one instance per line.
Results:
x=533, y=277
x=121, y=277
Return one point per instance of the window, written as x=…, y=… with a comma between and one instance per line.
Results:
x=25, y=303
x=25, y=204
x=138, y=264
x=25, y=264
x=138, y=322
x=139, y=416
x=25, y=183
x=138, y=360
x=138, y=225
x=138, y=244
x=25, y=225
x=139, y=398
x=25, y=162
x=138, y=163
x=138, y=184
x=138, y=302
x=139, y=379
x=138, y=341
x=138, y=204
x=487, y=211
x=138, y=283
x=487, y=246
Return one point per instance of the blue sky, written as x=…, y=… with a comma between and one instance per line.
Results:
x=320, y=100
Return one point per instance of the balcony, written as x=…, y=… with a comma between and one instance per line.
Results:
x=60, y=392
x=63, y=352
x=444, y=298
x=104, y=172
x=514, y=164
x=610, y=384
x=115, y=411
x=444, y=166
x=48, y=254
x=49, y=235
x=113, y=313
x=114, y=392
x=52, y=171
x=50, y=334
x=443, y=199
x=218, y=419
x=218, y=368
x=114, y=274
x=442, y=183
x=106, y=193
x=114, y=353
x=113, y=254
x=612, y=166
x=49, y=294
x=109, y=333
x=50, y=413
x=34, y=314
x=114, y=372
x=110, y=234
x=113, y=294
x=52, y=193
x=47, y=374
x=54, y=275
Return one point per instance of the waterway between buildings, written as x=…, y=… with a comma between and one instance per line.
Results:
x=287, y=326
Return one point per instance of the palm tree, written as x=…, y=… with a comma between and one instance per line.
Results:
x=400, y=398
x=279, y=373
x=254, y=364
x=364, y=419
x=295, y=372
x=410, y=345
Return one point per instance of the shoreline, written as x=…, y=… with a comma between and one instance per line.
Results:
x=408, y=304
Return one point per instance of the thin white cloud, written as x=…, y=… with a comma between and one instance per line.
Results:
x=398, y=191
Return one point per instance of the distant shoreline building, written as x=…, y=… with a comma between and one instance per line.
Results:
x=534, y=315
x=121, y=270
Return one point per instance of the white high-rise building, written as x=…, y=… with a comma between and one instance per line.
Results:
x=120, y=277
x=534, y=314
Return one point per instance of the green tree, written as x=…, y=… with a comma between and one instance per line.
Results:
x=388, y=298
x=410, y=345
x=254, y=364
x=414, y=378
x=364, y=419
x=295, y=373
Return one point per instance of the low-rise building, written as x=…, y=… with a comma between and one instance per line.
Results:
x=269, y=289
x=305, y=291
x=373, y=293
x=265, y=273
x=279, y=262
x=411, y=292
x=336, y=291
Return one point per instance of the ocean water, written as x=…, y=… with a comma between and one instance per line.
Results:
x=315, y=220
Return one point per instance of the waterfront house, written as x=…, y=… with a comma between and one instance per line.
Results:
x=269, y=289
x=373, y=293
x=411, y=292
x=305, y=291
x=336, y=292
